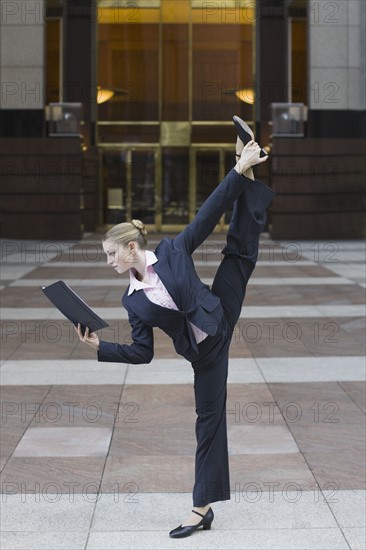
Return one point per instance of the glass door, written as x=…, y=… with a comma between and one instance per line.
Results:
x=129, y=180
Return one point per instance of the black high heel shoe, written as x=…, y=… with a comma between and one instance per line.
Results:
x=245, y=133
x=181, y=532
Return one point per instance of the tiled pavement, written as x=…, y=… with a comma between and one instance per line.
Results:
x=101, y=456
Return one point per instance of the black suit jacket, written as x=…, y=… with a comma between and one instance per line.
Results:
x=194, y=299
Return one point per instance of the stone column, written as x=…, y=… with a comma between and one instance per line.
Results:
x=337, y=67
x=22, y=68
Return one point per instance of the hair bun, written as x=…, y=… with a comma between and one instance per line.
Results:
x=140, y=226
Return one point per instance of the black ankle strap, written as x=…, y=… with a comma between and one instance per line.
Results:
x=202, y=516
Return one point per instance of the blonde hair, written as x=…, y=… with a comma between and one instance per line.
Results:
x=123, y=233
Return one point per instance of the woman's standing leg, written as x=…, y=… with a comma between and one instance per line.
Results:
x=211, y=464
x=240, y=255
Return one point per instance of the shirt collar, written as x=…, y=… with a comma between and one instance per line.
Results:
x=135, y=284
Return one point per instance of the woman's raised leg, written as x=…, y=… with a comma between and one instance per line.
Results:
x=242, y=245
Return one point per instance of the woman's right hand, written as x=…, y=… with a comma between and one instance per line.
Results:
x=88, y=338
x=249, y=157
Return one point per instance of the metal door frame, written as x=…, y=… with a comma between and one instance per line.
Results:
x=158, y=226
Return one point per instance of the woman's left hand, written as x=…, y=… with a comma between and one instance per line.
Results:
x=88, y=338
x=250, y=156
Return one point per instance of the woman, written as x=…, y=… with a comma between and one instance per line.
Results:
x=165, y=291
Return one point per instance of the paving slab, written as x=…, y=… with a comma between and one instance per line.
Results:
x=23, y=512
x=64, y=442
x=254, y=539
x=349, y=508
x=356, y=537
x=56, y=540
x=275, y=510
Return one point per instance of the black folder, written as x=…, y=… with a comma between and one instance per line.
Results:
x=73, y=307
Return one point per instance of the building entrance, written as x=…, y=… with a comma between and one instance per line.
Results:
x=164, y=187
x=171, y=75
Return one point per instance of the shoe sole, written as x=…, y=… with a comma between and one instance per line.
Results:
x=245, y=133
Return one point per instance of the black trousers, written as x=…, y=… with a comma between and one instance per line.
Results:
x=212, y=482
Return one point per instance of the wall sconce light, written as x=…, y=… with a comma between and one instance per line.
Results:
x=246, y=94
x=104, y=94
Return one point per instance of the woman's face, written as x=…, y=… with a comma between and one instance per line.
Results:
x=120, y=257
